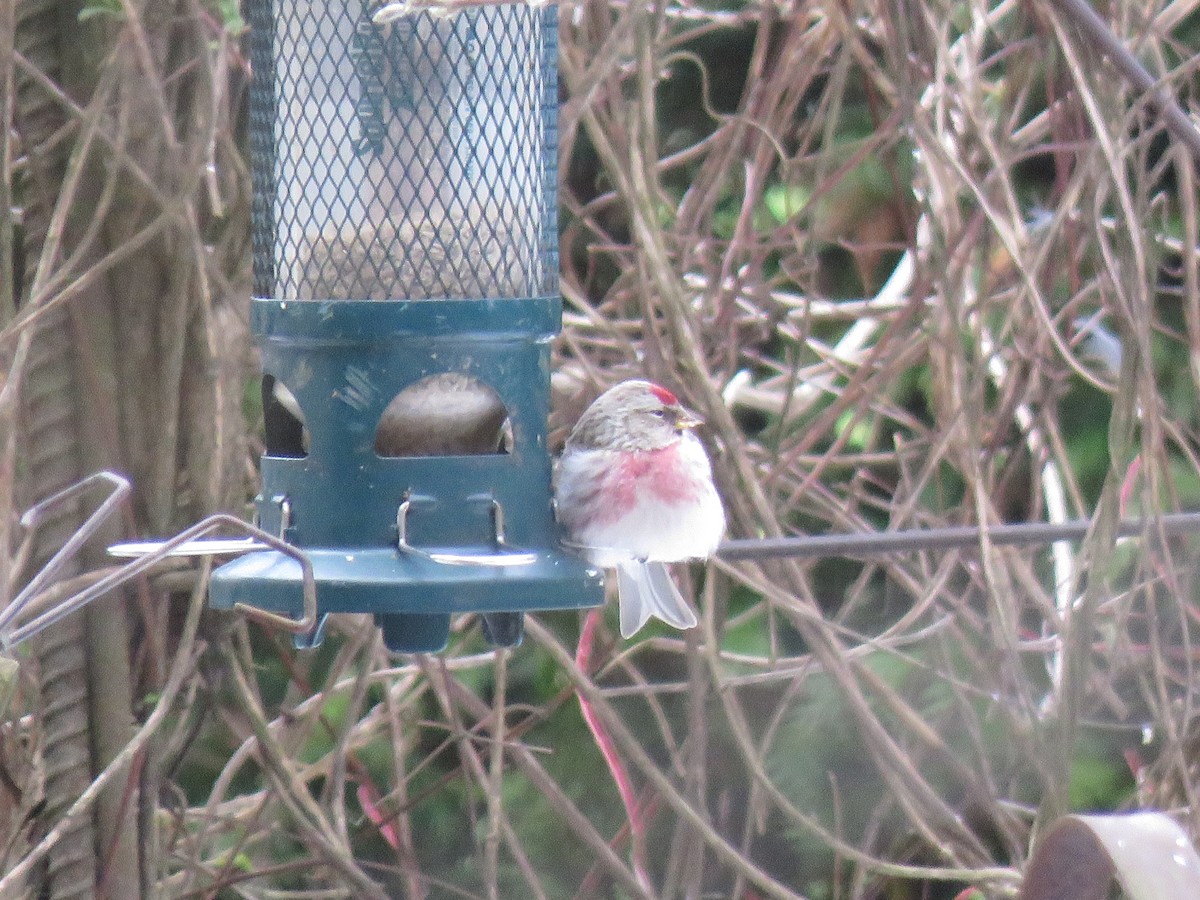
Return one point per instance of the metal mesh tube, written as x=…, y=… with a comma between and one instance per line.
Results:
x=411, y=160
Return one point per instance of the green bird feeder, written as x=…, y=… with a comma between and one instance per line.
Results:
x=404, y=240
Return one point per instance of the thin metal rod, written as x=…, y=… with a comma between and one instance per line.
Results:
x=883, y=542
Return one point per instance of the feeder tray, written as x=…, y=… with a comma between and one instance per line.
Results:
x=412, y=540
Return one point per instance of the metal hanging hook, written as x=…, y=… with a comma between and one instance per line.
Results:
x=146, y=554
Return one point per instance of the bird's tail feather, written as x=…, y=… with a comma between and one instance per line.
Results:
x=645, y=590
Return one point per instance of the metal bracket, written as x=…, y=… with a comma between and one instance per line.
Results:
x=507, y=555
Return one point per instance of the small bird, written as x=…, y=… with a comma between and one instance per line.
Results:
x=634, y=491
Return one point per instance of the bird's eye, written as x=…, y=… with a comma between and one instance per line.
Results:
x=661, y=413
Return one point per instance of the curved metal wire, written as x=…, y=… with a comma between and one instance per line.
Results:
x=11, y=635
x=36, y=513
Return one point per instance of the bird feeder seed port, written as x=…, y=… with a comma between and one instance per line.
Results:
x=405, y=258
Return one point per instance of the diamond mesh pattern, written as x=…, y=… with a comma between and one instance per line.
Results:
x=403, y=161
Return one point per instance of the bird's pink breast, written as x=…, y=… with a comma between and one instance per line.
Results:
x=654, y=476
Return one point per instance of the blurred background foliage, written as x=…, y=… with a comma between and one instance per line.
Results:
x=918, y=264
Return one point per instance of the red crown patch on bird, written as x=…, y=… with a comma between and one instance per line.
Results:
x=664, y=395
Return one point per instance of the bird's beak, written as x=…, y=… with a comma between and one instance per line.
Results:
x=688, y=419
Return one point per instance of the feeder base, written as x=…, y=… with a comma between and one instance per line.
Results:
x=412, y=597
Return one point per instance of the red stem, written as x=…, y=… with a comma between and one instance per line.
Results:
x=637, y=824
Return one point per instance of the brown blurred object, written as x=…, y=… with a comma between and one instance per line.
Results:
x=428, y=259
x=443, y=415
x=447, y=414
x=1171, y=783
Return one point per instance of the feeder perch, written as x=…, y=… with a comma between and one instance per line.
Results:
x=404, y=233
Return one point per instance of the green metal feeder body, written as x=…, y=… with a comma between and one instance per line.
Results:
x=404, y=227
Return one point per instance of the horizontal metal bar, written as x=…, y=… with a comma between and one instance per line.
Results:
x=806, y=546
x=962, y=536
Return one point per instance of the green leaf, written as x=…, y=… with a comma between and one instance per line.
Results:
x=99, y=8
x=9, y=670
x=231, y=16
x=860, y=432
x=1096, y=783
x=783, y=201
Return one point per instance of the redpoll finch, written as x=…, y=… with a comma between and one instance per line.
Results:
x=634, y=491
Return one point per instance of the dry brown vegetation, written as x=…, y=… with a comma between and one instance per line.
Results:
x=887, y=250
